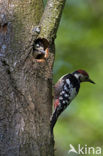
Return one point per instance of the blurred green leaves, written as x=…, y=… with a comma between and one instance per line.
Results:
x=79, y=45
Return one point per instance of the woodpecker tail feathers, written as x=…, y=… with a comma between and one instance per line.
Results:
x=54, y=117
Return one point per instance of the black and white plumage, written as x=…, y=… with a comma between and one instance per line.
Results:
x=65, y=91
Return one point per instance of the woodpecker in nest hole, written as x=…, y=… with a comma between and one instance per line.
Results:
x=65, y=91
x=39, y=50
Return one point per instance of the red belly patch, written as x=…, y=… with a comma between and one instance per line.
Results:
x=56, y=103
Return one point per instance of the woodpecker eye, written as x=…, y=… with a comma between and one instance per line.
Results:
x=37, y=45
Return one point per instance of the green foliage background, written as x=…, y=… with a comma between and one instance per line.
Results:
x=79, y=45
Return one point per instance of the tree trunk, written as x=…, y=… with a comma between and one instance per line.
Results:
x=26, y=79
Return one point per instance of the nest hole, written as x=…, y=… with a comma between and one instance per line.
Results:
x=41, y=49
x=41, y=56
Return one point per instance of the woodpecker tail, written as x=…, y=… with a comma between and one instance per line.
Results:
x=54, y=117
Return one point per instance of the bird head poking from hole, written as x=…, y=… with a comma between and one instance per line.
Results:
x=40, y=49
x=82, y=76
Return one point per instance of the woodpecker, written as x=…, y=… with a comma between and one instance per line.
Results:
x=39, y=48
x=65, y=90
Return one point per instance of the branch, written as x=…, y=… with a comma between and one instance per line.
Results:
x=51, y=18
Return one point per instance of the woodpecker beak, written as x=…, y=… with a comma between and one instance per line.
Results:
x=40, y=50
x=89, y=80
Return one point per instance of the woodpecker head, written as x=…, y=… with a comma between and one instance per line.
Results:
x=82, y=76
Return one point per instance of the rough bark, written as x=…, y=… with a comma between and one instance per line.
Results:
x=26, y=82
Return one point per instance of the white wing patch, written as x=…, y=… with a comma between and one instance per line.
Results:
x=63, y=92
x=64, y=102
x=66, y=95
x=68, y=81
x=72, y=93
x=60, y=98
x=65, y=88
